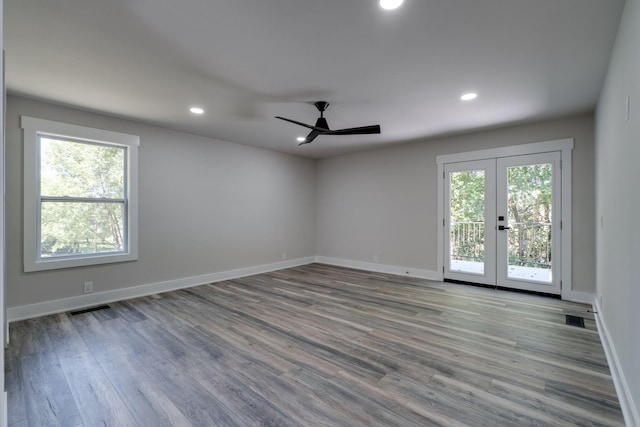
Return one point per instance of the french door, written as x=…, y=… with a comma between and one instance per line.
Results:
x=502, y=221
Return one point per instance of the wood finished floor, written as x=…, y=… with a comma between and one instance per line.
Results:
x=314, y=346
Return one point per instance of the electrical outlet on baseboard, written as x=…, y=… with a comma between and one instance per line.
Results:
x=88, y=287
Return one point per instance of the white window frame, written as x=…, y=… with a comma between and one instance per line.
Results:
x=33, y=128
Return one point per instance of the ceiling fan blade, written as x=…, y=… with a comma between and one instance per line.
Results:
x=322, y=127
x=363, y=130
x=300, y=124
x=312, y=135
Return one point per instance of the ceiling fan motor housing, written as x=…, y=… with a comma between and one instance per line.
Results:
x=322, y=123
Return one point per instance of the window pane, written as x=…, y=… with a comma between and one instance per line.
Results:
x=76, y=169
x=81, y=228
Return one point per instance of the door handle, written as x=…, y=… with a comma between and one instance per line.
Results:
x=502, y=227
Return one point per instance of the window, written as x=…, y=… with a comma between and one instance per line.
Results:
x=80, y=195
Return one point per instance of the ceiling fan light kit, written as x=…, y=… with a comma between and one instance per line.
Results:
x=322, y=127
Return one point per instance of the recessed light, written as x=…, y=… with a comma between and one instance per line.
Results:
x=301, y=139
x=390, y=4
x=196, y=110
x=469, y=96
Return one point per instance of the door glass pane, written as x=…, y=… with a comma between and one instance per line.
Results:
x=530, y=213
x=467, y=221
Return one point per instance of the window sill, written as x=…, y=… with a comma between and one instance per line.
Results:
x=81, y=261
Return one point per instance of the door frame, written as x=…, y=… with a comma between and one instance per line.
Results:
x=564, y=146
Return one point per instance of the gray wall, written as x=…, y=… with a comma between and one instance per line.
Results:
x=206, y=206
x=618, y=198
x=209, y=206
x=384, y=202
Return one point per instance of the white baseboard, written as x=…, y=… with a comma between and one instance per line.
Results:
x=578, y=296
x=73, y=303
x=573, y=296
x=381, y=268
x=629, y=407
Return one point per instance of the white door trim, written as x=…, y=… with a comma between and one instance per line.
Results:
x=564, y=146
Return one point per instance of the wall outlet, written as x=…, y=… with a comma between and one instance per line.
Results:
x=284, y=255
x=88, y=287
x=627, y=107
x=376, y=258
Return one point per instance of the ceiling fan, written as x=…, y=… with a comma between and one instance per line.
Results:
x=322, y=127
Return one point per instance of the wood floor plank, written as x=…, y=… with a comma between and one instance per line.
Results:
x=97, y=401
x=539, y=401
x=145, y=399
x=289, y=397
x=199, y=406
x=49, y=400
x=245, y=406
x=314, y=345
x=15, y=393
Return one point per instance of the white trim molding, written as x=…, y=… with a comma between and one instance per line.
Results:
x=34, y=129
x=512, y=150
x=381, y=268
x=88, y=300
x=630, y=412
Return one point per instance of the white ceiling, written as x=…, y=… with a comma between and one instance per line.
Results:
x=245, y=61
